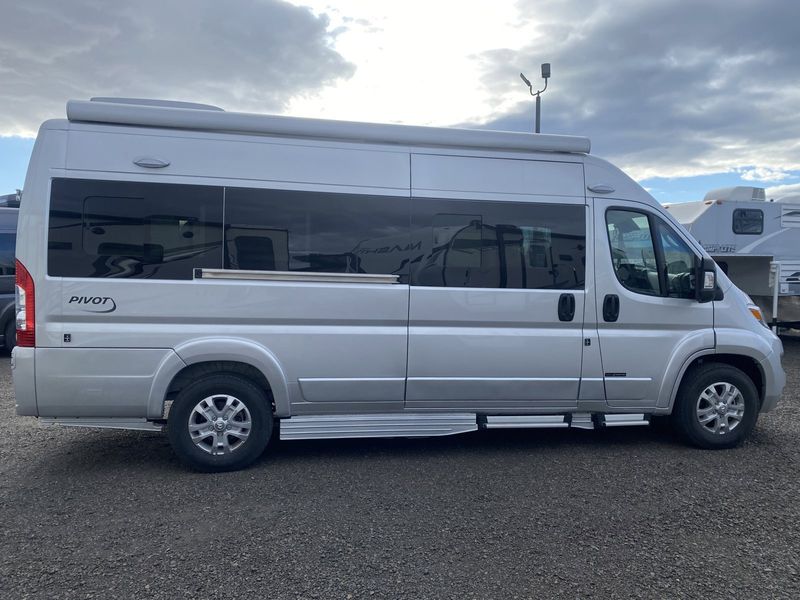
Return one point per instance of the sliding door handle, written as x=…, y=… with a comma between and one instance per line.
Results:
x=566, y=307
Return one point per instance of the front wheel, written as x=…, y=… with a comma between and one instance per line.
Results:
x=717, y=407
x=221, y=422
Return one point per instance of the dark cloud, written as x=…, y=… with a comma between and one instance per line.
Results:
x=246, y=55
x=664, y=87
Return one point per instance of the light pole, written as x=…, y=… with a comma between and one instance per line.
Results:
x=545, y=76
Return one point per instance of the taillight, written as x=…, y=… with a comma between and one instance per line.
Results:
x=26, y=312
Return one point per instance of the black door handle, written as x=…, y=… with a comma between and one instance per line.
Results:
x=611, y=308
x=566, y=307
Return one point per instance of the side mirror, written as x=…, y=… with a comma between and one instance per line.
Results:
x=706, y=279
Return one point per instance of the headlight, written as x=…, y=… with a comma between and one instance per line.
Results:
x=756, y=312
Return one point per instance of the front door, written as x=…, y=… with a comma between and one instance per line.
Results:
x=647, y=315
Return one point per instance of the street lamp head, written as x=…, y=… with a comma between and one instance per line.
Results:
x=545, y=70
x=525, y=79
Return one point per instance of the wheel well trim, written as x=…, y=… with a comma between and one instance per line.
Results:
x=215, y=350
x=712, y=353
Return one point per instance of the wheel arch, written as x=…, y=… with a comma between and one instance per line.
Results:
x=210, y=355
x=745, y=363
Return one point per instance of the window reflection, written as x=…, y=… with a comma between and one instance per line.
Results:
x=499, y=244
x=132, y=229
x=316, y=232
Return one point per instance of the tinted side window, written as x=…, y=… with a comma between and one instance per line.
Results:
x=8, y=241
x=133, y=229
x=748, y=221
x=462, y=243
x=632, y=251
x=283, y=230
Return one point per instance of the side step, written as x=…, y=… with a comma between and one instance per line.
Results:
x=623, y=420
x=369, y=426
x=525, y=421
x=437, y=424
x=102, y=423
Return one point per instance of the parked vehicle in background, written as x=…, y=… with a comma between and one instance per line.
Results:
x=9, y=212
x=755, y=241
x=206, y=273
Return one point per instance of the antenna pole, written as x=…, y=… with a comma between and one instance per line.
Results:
x=538, y=94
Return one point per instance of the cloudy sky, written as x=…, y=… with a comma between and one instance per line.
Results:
x=684, y=95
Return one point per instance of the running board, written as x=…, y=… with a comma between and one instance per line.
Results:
x=102, y=423
x=374, y=426
x=623, y=420
x=525, y=421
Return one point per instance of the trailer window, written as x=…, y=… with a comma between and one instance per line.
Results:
x=127, y=229
x=498, y=244
x=748, y=221
x=287, y=230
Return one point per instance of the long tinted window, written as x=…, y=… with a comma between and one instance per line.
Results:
x=132, y=229
x=279, y=230
x=498, y=244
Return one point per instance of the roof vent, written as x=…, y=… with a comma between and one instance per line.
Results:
x=163, y=103
x=739, y=193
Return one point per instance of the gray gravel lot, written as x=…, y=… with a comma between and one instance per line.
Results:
x=621, y=513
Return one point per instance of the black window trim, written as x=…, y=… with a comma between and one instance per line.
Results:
x=733, y=222
x=657, y=248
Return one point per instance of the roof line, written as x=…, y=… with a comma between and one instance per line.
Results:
x=215, y=120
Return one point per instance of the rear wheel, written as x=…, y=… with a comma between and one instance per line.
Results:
x=221, y=422
x=716, y=407
x=10, y=335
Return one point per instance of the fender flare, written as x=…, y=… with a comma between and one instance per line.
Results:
x=727, y=341
x=219, y=349
x=697, y=343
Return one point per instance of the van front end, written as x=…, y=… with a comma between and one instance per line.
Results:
x=741, y=330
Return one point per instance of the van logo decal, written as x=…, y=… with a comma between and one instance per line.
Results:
x=95, y=304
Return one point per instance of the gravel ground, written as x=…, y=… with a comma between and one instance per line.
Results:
x=622, y=513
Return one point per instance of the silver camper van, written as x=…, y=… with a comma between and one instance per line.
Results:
x=221, y=276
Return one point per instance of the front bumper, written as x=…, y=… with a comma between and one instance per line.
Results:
x=774, y=376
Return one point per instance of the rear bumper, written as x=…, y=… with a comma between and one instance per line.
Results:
x=23, y=364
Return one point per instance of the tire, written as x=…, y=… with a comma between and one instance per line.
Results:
x=10, y=335
x=716, y=408
x=208, y=424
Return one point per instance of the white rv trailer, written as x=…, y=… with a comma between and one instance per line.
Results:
x=209, y=273
x=755, y=241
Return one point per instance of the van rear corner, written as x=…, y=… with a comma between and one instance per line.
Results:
x=23, y=371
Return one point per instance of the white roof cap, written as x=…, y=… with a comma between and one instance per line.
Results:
x=739, y=193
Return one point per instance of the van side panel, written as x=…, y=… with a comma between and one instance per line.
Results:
x=242, y=160
x=95, y=382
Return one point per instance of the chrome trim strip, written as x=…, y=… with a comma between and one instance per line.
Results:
x=102, y=423
x=295, y=276
x=378, y=425
x=525, y=421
